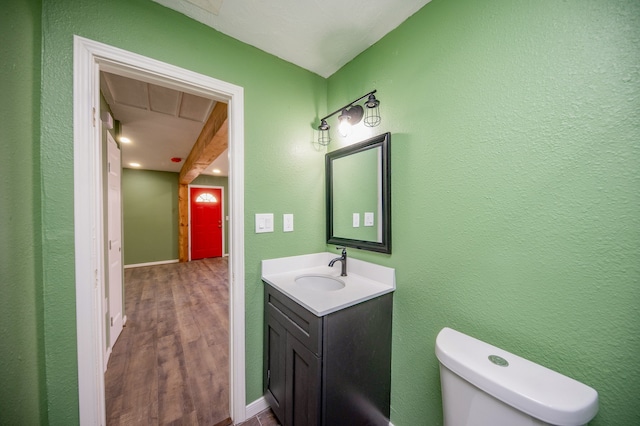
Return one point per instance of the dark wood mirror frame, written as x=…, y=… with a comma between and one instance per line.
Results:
x=383, y=141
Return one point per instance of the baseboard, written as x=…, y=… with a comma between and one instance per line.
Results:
x=161, y=262
x=256, y=407
x=259, y=405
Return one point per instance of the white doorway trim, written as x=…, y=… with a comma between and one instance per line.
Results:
x=89, y=59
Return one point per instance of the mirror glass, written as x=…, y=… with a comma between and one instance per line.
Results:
x=359, y=195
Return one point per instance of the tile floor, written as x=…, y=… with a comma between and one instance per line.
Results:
x=264, y=418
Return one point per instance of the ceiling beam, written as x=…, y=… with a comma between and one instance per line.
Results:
x=210, y=144
x=183, y=223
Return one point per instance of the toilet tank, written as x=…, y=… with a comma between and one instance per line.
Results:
x=483, y=385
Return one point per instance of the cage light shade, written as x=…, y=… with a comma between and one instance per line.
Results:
x=323, y=133
x=372, y=112
x=324, y=138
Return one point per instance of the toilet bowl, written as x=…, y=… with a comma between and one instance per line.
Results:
x=486, y=386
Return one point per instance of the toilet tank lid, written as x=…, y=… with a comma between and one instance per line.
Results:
x=529, y=387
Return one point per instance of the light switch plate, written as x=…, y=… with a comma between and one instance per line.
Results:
x=287, y=222
x=356, y=220
x=368, y=219
x=264, y=222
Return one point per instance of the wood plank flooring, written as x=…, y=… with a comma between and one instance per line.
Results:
x=170, y=365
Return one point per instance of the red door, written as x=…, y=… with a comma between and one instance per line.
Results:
x=206, y=223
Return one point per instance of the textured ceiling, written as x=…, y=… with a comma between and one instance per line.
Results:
x=318, y=35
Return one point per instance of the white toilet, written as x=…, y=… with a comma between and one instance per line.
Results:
x=486, y=386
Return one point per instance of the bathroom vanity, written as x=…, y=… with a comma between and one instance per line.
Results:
x=327, y=350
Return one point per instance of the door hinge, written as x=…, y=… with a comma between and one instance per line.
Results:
x=109, y=244
x=111, y=321
x=268, y=378
x=109, y=167
x=94, y=117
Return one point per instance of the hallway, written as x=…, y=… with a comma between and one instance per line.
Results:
x=170, y=365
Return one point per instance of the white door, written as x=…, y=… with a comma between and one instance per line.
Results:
x=114, y=243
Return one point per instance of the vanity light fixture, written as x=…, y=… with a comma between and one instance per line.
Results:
x=350, y=115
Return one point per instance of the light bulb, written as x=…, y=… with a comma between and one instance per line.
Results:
x=344, y=127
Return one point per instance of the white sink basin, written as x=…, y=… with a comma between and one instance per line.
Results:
x=310, y=281
x=319, y=282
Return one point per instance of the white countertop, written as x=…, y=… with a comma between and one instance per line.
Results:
x=364, y=281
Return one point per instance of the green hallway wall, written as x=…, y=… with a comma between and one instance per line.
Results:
x=516, y=174
x=149, y=216
x=277, y=134
x=22, y=391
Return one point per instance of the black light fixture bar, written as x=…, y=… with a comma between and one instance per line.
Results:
x=347, y=106
x=351, y=114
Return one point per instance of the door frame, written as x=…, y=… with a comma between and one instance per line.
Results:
x=222, y=206
x=89, y=58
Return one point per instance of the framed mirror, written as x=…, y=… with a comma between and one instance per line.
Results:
x=358, y=189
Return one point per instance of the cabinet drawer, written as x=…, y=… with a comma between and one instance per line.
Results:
x=301, y=323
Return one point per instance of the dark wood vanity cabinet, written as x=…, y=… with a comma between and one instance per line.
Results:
x=331, y=370
x=292, y=370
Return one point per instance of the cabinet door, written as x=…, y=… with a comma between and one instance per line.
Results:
x=303, y=390
x=275, y=361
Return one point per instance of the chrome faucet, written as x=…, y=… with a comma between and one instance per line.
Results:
x=342, y=259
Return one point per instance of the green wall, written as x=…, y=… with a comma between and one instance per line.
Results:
x=515, y=185
x=516, y=174
x=149, y=216
x=279, y=136
x=22, y=392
